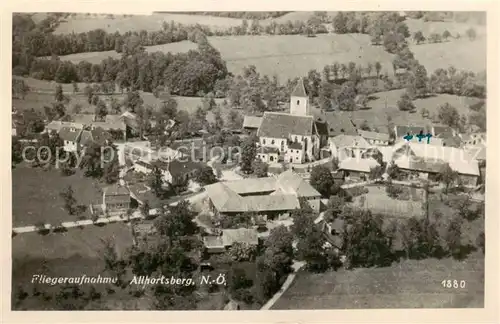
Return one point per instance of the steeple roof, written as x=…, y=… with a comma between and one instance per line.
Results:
x=299, y=90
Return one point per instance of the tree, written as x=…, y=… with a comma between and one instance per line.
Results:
x=303, y=221
x=340, y=23
x=420, y=238
x=176, y=221
x=101, y=110
x=111, y=170
x=205, y=175
x=334, y=208
x=218, y=120
x=376, y=172
x=449, y=115
x=418, y=82
x=242, y=252
x=418, y=37
x=435, y=38
x=59, y=95
x=133, y=101
x=322, y=180
x=248, y=154
x=404, y=103
x=311, y=250
x=89, y=93
x=471, y=33
x=453, y=237
x=259, y=168
x=156, y=183
x=69, y=199
x=278, y=255
x=446, y=35
x=378, y=68
x=393, y=171
x=448, y=176
x=480, y=241
x=75, y=87
x=346, y=97
x=365, y=243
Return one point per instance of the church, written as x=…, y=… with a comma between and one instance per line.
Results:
x=295, y=137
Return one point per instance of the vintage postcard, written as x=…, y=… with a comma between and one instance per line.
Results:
x=220, y=160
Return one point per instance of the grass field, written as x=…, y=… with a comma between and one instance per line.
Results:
x=35, y=195
x=409, y=284
x=69, y=254
x=376, y=114
x=83, y=23
x=42, y=94
x=430, y=27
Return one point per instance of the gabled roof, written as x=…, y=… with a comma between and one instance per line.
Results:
x=240, y=235
x=98, y=136
x=252, y=185
x=225, y=199
x=267, y=150
x=477, y=152
x=83, y=118
x=356, y=164
x=290, y=182
x=178, y=168
x=299, y=90
x=442, y=130
x=116, y=190
x=252, y=122
x=337, y=123
x=271, y=203
x=458, y=159
x=342, y=140
x=374, y=135
x=72, y=134
x=321, y=127
x=295, y=145
x=402, y=130
x=280, y=125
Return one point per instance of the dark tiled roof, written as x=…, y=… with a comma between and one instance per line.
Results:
x=321, y=127
x=299, y=90
x=98, y=136
x=337, y=124
x=295, y=146
x=66, y=133
x=267, y=150
x=178, y=168
x=442, y=130
x=116, y=190
x=279, y=125
x=374, y=135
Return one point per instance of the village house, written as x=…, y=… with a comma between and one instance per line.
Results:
x=251, y=124
x=375, y=138
x=350, y=145
x=227, y=237
x=335, y=124
x=170, y=170
x=70, y=135
x=270, y=196
x=115, y=198
x=357, y=168
x=268, y=154
x=426, y=161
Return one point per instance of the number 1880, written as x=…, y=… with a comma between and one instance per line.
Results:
x=453, y=283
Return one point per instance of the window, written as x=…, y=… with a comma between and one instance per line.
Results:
x=272, y=141
x=264, y=141
x=271, y=158
x=295, y=140
x=298, y=102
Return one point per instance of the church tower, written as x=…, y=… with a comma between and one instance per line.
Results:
x=299, y=101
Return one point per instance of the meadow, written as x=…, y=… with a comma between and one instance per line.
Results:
x=36, y=195
x=42, y=94
x=407, y=284
x=384, y=104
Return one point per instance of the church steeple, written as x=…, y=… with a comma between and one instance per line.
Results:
x=299, y=101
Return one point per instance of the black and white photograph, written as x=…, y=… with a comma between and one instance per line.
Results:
x=248, y=160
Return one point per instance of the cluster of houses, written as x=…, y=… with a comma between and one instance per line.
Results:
x=300, y=136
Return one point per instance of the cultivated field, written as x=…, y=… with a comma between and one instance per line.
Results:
x=35, y=195
x=408, y=284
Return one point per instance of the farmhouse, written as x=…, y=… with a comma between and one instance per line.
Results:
x=353, y=145
x=170, y=170
x=374, y=138
x=357, y=168
x=425, y=159
x=71, y=136
x=271, y=196
x=251, y=123
x=115, y=198
x=220, y=243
